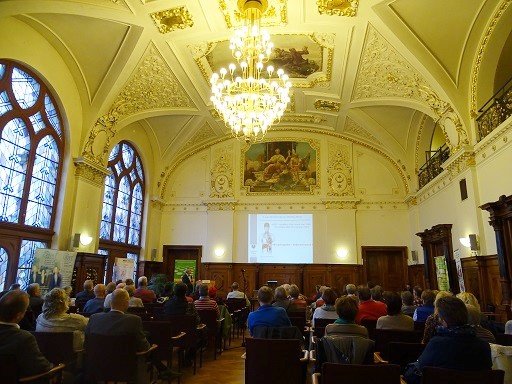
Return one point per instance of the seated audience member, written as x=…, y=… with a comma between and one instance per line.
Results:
x=469, y=299
x=108, y=298
x=376, y=293
x=129, y=282
x=474, y=319
x=369, y=309
x=212, y=294
x=167, y=293
x=433, y=320
x=408, y=306
x=84, y=296
x=96, y=305
x=134, y=302
x=297, y=304
x=416, y=293
x=267, y=315
x=281, y=298
x=142, y=292
x=344, y=325
x=35, y=300
x=319, y=302
x=395, y=319
x=455, y=345
x=17, y=342
x=55, y=319
x=204, y=302
x=109, y=289
x=508, y=327
x=352, y=291
x=326, y=311
x=68, y=290
x=235, y=293
x=178, y=304
x=427, y=308
x=317, y=293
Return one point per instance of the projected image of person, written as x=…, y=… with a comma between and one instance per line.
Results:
x=266, y=239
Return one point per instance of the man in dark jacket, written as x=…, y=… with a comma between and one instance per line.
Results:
x=455, y=346
x=86, y=295
x=17, y=342
x=178, y=304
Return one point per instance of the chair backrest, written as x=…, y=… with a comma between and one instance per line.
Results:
x=298, y=321
x=280, y=366
x=419, y=326
x=187, y=324
x=262, y=332
x=404, y=353
x=504, y=339
x=320, y=324
x=57, y=347
x=209, y=318
x=110, y=358
x=235, y=304
x=384, y=336
x=370, y=325
x=432, y=375
x=160, y=333
x=361, y=374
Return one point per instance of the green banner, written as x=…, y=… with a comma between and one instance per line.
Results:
x=181, y=267
x=443, y=281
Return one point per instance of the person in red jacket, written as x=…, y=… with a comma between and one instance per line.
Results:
x=142, y=292
x=369, y=309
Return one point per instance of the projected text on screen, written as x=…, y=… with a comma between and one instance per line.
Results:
x=280, y=238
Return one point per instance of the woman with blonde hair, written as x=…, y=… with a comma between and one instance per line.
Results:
x=433, y=320
x=468, y=298
x=55, y=319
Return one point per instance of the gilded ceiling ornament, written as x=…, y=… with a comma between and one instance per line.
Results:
x=172, y=19
x=152, y=85
x=90, y=171
x=327, y=105
x=351, y=127
x=221, y=175
x=276, y=13
x=339, y=171
x=383, y=72
x=480, y=53
x=338, y=7
x=302, y=118
x=418, y=141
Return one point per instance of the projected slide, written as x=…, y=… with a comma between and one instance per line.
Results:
x=280, y=238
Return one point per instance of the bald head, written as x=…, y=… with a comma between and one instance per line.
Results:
x=13, y=306
x=120, y=300
x=100, y=291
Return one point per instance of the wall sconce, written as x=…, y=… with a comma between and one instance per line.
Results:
x=85, y=239
x=342, y=253
x=219, y=252
x=465, y=242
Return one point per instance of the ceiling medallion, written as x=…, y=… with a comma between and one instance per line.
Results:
x=172, y=19
x=338, y=7
x=250, y=97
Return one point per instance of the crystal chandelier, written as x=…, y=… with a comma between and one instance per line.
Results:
x=250, y=96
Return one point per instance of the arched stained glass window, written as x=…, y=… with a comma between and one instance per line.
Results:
x=31, y=155
x=123, y=198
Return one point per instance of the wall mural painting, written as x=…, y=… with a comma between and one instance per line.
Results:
x=297, y=55
x=280, y=166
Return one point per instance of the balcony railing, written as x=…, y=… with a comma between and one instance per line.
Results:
x=432, y=167
x=497, y=109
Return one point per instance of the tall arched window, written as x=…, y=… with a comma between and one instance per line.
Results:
x=123, y=205
x=31, y=148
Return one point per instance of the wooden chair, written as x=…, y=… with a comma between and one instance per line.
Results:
x=235, y=308
x=9, y=374
x=112, y=358
x=419, y=326
x=319, y=327
x=214, y=329
x=370, y=325
x=57, y=347
x=432, y=375
x=167, y=336
x=384, y=336
x=504, y=339
x=285, y=364
x=360, y=374
x=404, y=353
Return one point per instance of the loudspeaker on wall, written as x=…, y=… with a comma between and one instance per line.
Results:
x=473, y=242
x=75, y=242
x=153, y=254
x=414, y=256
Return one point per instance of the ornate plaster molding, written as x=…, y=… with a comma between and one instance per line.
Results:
x=221, y=175
x=89, y=171
x=339, y=171
x=351, y=127
x=152, y=85
x=276, y=13
x=172, y=19
x=340, y=203
x=338, y=8
x=327, y=105
x=383, y=72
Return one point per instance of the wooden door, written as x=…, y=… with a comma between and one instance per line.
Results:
x=171, y=253
x=386, y=266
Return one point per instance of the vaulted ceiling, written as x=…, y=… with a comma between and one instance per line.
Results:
x=355, y=65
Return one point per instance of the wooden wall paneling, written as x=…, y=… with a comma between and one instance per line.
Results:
x=88, y=266
x=343, y=274
x=149, y=268
x=251, y=277
x=491, y=272
x=315, y=274
x=472, y=280
x=417, y=275
x=283, y=273
x=222, y=274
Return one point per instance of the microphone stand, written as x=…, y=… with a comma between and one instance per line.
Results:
x=245, y=298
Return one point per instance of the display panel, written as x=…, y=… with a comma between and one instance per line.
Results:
x=280, y=238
